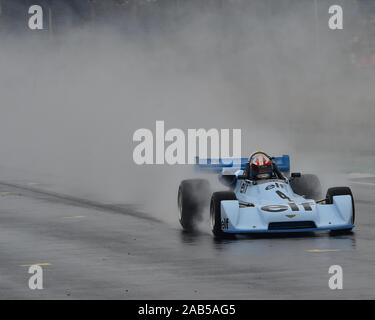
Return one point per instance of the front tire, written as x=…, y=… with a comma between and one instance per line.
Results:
x=215, y=211
x=193, y=195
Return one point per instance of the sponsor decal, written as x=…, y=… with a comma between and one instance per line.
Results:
x=244, y=187
x=224, y=224
x=282, y=207
x=276, y=185
x=275, y=208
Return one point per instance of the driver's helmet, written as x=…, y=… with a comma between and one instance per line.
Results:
x=261, y=167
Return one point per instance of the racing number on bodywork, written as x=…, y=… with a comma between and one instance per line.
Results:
x=283, y=195
x=291, y=204
x=281, y=207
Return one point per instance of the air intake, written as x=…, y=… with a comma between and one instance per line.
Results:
x=291, y=225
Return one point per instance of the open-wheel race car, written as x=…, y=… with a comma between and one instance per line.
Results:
x=263, y=197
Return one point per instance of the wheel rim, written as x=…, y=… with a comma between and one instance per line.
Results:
x=212, y=217
x=179, y=204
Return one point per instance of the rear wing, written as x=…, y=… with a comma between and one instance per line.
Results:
x=216, y=165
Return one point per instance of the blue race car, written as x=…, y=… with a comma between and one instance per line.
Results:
x=262, y=198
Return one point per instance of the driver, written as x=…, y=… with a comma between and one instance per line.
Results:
x=260, y=167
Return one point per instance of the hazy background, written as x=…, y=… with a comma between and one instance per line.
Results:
x=72, y=95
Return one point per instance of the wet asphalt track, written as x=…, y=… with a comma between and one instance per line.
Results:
x=97, y=251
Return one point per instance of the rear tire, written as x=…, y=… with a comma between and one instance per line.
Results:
x=215, y=211
x=193, y=195
x=340, y=191
x=307, y=185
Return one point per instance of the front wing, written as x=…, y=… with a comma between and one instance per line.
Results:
x=283, y=218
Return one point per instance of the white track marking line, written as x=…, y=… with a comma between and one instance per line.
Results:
x=368, y=184
x=323, y=250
